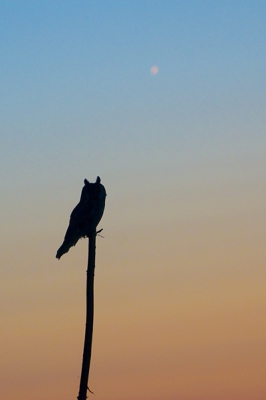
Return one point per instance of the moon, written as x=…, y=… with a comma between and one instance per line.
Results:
x=154, y=70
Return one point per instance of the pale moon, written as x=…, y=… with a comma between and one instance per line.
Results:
x=154, y=70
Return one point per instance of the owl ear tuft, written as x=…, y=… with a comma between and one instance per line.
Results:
x=98, y=179
x=86, y=182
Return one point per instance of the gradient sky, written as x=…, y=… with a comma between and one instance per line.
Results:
x=180, y=274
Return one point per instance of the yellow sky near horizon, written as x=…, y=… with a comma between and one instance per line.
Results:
x=177, y=309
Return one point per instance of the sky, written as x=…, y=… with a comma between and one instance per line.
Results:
x=165, y=101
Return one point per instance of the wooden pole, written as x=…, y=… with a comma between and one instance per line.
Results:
x=89, y=319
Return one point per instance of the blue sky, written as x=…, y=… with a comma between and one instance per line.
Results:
x=75, y=79
x=71, y=69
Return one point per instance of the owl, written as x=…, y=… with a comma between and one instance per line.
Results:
x=85, y=216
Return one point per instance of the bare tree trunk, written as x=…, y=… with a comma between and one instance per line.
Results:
x=89, y=319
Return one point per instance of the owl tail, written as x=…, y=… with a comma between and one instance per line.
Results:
x=62, y=250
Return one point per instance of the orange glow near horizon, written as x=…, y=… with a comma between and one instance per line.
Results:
x=186, y=325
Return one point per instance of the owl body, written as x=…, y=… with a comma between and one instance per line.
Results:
x=85, y=216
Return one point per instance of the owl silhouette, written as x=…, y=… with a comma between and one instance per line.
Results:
x=85, y=216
